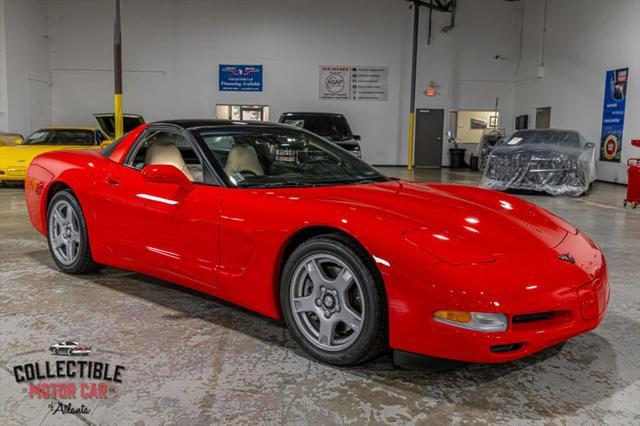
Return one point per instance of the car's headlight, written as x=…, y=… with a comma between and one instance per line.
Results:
x=477, y=321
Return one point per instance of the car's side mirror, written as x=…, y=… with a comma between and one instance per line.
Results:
x=19, y=141
x=590, y=145
x=357, y=137
x=163, y=173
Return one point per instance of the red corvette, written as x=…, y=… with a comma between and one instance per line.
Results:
x=284, y=223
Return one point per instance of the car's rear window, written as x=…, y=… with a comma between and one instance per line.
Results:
x=333, y=127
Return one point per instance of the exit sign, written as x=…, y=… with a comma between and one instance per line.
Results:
x=431, y=92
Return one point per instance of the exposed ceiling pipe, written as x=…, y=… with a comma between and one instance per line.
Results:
x=449, y=27
x=430, y=23
x=543, y=42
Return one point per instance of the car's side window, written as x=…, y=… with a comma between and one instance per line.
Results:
x=169, y=148
x=220, y=147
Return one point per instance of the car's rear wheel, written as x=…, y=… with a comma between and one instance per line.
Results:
x=333, y=301
x=67, y=235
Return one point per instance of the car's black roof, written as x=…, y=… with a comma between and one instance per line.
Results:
x=190, y=123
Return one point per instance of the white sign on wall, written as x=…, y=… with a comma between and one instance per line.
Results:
x=352, y=82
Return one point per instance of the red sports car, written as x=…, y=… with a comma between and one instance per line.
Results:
x=289, y=225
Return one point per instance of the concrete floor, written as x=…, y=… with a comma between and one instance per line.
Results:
x=191, y=359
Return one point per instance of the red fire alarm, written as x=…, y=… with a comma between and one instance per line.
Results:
x=430, y=92
x=635, y=142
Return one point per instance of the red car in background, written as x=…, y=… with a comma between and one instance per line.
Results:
x=278, y=220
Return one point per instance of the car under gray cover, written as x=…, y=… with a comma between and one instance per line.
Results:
x=558, y=162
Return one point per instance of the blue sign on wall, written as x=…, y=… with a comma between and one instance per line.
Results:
x=240, y=78
x=615, y=99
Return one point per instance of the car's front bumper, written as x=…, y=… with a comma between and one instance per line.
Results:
x=465, y=345
x=521, y=339
x=546, y=301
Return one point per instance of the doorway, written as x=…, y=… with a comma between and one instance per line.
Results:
x=243, y=112
x=429, y=130
x=543, y=118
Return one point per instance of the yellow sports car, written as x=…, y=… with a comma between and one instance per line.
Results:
x=14, y=159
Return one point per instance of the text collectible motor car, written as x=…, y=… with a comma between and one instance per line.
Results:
x=279, y=221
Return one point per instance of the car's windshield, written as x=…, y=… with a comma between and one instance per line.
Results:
x=547, y=137
x=259, y=156
x=61, y=137
x=333, y=127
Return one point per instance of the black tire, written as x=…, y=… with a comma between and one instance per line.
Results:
x=84, y=262
x=373, y=338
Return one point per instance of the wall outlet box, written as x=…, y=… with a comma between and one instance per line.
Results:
x=540, y=72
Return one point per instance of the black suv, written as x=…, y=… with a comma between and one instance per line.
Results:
x=333, y=127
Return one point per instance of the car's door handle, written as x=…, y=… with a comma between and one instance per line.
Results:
x=112, y=181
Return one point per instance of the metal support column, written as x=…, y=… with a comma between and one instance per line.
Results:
x=117, y=72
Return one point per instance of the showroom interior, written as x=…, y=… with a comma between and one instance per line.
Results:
x=427, y=107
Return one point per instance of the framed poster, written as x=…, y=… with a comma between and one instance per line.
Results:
x=615, y=99
x=353, y=82
x=240, y=78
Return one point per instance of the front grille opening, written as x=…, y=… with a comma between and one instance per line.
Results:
x=506, y=348
x=540, y=316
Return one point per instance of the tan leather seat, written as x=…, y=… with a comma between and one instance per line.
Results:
x=169, y=154
x=243, y=158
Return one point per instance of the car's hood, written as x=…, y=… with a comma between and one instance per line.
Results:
x=466, y=224
x=21, y=155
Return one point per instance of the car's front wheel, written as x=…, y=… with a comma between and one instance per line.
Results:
x=333, y=301
x=67, y=235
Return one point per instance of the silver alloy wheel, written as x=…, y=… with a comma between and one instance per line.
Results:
x=64, y=232
x=327, y=302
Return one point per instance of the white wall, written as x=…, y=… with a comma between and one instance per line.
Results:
x=26, y=76
x=584, y=39
x=172, y=50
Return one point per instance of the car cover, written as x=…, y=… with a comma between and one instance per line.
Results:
x=558, y=162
